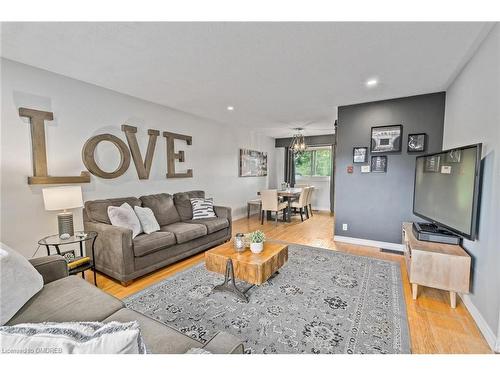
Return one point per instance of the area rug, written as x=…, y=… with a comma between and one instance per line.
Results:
x=322, y=301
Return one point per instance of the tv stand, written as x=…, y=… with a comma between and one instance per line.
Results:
x=436, y=265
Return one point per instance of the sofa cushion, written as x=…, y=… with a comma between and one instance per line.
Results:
x=163, y=207
x=185, y=232
x=159, y=338
x=183, y=203
x=213, y=224
x=148, y=243
x=98, y=210
x=69, y=299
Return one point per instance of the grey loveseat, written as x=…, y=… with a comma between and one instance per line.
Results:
x=66, y=298
x=124, y=259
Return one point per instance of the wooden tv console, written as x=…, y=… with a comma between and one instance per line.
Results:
x=436, y=265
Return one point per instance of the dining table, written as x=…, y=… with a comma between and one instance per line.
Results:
x=289, y=194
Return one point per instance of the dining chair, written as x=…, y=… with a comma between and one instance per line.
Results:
x=271, y=203
x=253, y=202
x=309, y=200
x=301, y=203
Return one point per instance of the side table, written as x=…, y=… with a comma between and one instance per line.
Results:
x=56, y=242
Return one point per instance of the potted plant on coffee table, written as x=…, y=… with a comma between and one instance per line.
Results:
x=257, y=239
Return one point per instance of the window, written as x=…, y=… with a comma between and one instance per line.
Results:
x=315, y=162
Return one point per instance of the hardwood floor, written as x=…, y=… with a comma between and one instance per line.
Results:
x=434, y=326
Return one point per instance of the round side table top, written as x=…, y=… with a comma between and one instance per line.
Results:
x=54, y=239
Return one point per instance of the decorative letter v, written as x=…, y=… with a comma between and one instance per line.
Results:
x=143, y=167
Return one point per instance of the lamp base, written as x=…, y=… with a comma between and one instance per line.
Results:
x=65, y=223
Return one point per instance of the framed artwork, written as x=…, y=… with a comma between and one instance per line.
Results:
x=417, y=142
x=432, y=164
x=360, y=154
x=454, y=156
x=379, y=164
x=386, y=138
x=253, y=163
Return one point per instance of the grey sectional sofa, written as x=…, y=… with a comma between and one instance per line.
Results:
x=124, y=259
x=66, y=298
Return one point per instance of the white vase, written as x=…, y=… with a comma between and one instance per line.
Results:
x=256, y=247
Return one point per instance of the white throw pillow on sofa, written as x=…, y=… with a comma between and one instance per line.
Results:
x=19, y=281
x=72, y=338
x=124, y=216
x=147, y=218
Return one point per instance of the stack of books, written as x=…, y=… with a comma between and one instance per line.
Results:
x=78, y=262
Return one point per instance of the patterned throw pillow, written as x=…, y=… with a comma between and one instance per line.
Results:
x=73, y=338
x=203, y=208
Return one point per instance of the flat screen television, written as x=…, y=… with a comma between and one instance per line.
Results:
x=447, y=188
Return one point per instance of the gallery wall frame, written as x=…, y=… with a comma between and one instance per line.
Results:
x=386, y=139
x=378, y=164
x=360, y=154
x=417, y=142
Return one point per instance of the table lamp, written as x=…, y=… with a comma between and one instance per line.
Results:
x=63, y=198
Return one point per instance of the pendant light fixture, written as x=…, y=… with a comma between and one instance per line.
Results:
x=298, y=144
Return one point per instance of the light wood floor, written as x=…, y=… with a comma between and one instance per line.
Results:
x=434, y=326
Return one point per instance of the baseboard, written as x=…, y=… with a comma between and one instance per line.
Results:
x=371, y=243
x=485, y=329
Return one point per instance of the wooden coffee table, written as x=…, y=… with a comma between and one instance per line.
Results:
x=255, y=269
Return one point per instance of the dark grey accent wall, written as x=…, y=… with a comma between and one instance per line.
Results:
x=374, y=205
x=313, y=140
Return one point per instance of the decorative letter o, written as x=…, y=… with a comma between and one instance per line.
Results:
x=88, y=151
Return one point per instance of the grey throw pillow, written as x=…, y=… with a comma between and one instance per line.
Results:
x=19, y=281
x=147, y=218
x=202, y=208
x=124, y=216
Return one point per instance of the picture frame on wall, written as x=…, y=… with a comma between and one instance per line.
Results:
x=432, y=164
x=386, y=138
x=417, y=142
x=378, y=164
x=252, y=163
x=360, y=154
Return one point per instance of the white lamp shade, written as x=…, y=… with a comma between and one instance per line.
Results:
x=62, y=198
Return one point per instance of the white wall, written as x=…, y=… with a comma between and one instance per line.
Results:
x=473, y=116
x=321, y=195
x=82, y=110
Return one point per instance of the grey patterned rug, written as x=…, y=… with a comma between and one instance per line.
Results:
x=321, y=301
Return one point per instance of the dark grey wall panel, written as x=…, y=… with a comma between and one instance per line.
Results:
x=375, y=204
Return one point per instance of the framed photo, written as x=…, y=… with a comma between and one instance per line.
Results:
x=417, y=142
x=253, y=163
x=432, y=164
x=68, y=255
x=454, y=156
x=379, y=164
x=386, y=138
x=360, y=154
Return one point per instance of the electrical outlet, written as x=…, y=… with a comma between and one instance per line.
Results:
x=344, y=226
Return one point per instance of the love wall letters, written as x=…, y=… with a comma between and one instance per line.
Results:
x=142, y=166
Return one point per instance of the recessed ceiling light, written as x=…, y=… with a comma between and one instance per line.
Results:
x=230, y=108
x=371, y=82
